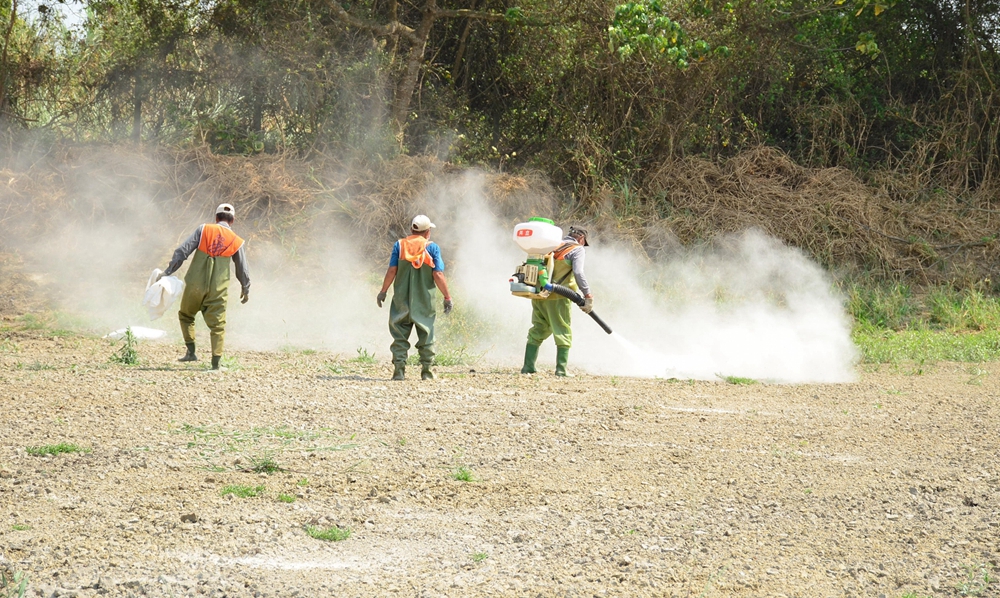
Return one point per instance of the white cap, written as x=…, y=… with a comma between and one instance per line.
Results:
x=421, y=223
x=225, y=208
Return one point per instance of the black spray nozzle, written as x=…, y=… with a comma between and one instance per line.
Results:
x=576, y=298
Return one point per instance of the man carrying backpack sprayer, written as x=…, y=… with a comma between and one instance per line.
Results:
x=551, y=316
x=206, y=288
x=415, y=268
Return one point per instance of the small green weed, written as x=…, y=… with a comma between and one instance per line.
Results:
x=265, y=464
x=302, y=483
x=20, y=527
x=334, y=368
x=54, y=449
x=15, y=586
x=738, y=380
x=288, y=498
x=231, y=363
x=126, y=353
x=364, y=356
x=462, y=474
x=977, y=580
x=330, y=534
x=242, y=491
x=479, y=557
x=914, y=595
x=33, y=322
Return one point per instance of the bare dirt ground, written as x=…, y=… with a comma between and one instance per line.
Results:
x=590, y=486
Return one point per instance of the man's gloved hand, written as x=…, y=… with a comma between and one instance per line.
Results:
x=448, y=305
x=588, y=305
x=159, y=276
x=245, y=296
x=380, y=298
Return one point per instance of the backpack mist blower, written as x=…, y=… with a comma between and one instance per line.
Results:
x=539, y=237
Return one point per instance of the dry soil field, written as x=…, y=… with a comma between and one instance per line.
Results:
x=587, y=486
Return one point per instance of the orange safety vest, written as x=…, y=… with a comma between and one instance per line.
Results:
x=414, y=250
x=219, y=241
x=560, y=253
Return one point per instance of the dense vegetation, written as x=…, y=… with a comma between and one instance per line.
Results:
x=588, y=91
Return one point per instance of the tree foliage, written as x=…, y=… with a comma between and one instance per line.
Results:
x=589, y=91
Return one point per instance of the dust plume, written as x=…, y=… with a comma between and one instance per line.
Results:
x=745, y=306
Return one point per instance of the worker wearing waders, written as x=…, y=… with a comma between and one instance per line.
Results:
x=415, y=268
x=206, y=288
x=551, y=316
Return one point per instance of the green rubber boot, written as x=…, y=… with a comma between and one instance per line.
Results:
x=399, y=370
x=426, y=373
x=562, y=357
x=189, y=356
x=530, y=356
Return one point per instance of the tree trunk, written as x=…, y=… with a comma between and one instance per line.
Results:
x=415, y=59
x=137, y=107
x=257, y=117
x=460, y=54
x=3, y=60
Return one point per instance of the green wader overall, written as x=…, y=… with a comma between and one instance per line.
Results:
x=206, y=290
x=412, y=306
x=552, y=317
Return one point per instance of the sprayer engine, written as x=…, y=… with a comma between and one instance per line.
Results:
x=538, y=237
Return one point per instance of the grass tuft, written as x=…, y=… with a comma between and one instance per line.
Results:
x=926, y=346
x=364, y=356
x=242, y=491
x=738, y=380
x=479, y=557
x=463, y=474
x=265, y=464
x=15, y=586
x=55, y=449
x=286, y=498
x=330, y=534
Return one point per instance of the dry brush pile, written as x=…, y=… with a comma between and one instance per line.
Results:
x=887, y=228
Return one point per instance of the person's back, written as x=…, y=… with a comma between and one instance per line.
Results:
x=415, y=268
x=214, y=247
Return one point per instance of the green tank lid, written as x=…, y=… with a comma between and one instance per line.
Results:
x=539, y=219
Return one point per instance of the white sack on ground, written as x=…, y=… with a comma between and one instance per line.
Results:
x=140, y=333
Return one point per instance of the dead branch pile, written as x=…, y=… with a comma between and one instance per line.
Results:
x=891, y=228
x=888, y=230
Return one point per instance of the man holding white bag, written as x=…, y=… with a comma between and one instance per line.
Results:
x=206, y=288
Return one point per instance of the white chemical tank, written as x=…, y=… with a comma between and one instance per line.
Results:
x=538, y=236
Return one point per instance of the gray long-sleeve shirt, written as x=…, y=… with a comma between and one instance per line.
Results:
x=576, y=257
x=191, y=243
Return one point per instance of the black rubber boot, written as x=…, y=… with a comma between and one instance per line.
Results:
x=530, y=357
x=399, y=370
x=215, y=361
x=189, y=356
x=562, y=358
x=426, y=373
